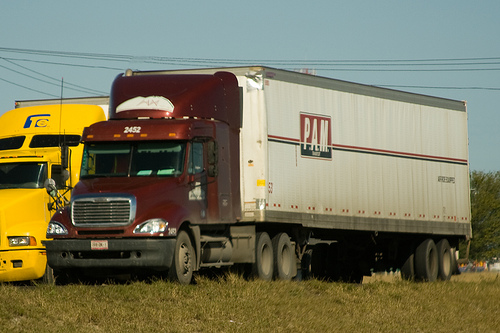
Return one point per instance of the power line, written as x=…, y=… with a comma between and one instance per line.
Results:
x=64, y=64
x=342, y=65
x=28, y=88
x=437, y=87
x=44, y=81
x=310, y=64
x=114, y=57
x=410, y=70
x=286, y=62
x=79, y=88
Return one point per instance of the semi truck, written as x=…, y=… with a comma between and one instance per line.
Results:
x=36, y=143
x=277, y=173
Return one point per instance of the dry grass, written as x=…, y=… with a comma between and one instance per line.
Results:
x=464, y=277
x=468, y=303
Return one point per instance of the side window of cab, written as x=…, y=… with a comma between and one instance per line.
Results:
x=196, y=158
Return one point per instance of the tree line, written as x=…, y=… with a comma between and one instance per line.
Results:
x=485, y=209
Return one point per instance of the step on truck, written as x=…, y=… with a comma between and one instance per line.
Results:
x=36, y=143
x=279, y=173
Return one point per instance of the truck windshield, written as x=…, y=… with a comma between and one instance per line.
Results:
x=22, y=175
x=119, y=159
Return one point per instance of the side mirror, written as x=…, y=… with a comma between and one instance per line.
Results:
x=59, y=175
x=50, y=187
x=59, y=200
x=64, y=156
x=65, y=175
x=213, y=158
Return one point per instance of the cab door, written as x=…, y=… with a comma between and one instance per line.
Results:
x=197, y=174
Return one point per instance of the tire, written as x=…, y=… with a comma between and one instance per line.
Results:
x=283, y=257
x=64, y=277
x=263, y=266
x=319, y=260
x=48, y=276
x=408, y=268
x=332, y=266
x=183, y=261
x=305, y=265
x=454, y=262
x=342, y=265
x=426, y=261
x=445, y=260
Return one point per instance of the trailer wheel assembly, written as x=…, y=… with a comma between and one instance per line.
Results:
x=426, y=261
x=283, y=257
x=181, y=269
x=263, y=266
x=445, y=259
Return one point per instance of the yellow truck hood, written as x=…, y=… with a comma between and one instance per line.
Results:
x=23, y=212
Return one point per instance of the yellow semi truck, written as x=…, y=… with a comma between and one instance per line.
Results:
x=36, y=144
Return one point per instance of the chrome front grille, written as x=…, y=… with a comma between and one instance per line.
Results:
x=102, y=210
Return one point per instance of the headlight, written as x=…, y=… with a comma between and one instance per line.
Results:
x=152, y=226
x=22, y=241
x=56, y=228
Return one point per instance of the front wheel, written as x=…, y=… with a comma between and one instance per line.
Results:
x=183, y=261
x=48, y=277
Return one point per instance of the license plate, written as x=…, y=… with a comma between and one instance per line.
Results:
x=99, y=245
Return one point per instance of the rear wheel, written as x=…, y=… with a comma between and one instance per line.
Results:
x=454, y=263
x=283, y=257
x=263, y=266
x=426, y=261
x=319, y=261
x=408, y=268
x=183, y=261
x=444, y=260
x=305, y=265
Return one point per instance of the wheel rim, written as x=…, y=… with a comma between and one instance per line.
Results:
x=266, y=259
x=184, y=259
x=285, y=259
x=447, y=263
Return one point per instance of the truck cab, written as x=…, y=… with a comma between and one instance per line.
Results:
x=162, y=166
x=36, y=143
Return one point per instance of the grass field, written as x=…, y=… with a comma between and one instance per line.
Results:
x=468, y=303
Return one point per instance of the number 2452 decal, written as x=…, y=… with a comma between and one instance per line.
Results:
x=132, y=129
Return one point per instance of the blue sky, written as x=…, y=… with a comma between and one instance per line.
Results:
x=461, y=37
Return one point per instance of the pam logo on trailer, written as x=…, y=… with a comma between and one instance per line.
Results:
x=315, y=136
